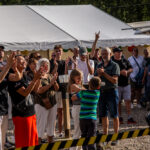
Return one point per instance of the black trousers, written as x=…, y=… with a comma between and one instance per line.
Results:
x=88, y=128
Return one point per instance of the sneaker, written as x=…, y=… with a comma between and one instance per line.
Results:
x=114, y=143
x=8, y=145
x=132, y=106
x=60, y=135
x=10, y=139
x=44, y=141
x=131, y=121
x=138, y=105
x=120, y=120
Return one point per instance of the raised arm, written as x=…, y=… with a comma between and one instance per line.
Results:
x=5, y=70
x=26, y=91
x=55, y=67
x=90, y=67
x=16, y=76
x=97, y=35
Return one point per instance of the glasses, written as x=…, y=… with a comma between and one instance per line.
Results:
x=53, y=55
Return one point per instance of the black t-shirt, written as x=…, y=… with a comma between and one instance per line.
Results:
x=123, y=64
x=147, y=61
x=3, y=98
x=61, y=66
x=16, y=98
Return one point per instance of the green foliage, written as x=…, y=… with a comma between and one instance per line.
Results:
x=125, y=10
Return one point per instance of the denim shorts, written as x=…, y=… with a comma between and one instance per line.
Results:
x=109, y=102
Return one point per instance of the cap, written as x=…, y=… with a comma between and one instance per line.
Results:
x=117, y=50
x=2, y=47
x=82, y=51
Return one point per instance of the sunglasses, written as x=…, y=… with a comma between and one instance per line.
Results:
x=57, y=51
x=53, y=55
x=38, y=57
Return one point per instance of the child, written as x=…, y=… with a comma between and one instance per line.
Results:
x=74, y=86
x=88, y=112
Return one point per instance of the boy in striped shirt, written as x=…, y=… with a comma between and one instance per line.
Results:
x=88, y=112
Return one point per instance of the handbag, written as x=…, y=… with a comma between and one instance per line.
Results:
x=139, y=76
x=46, y=99
x=49, y=100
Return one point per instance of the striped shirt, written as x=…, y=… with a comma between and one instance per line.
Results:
x=89, y=100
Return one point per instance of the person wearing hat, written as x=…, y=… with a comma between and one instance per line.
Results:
x=124, y=87
x=85, y=65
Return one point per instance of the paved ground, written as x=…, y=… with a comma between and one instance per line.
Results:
x=140, y=143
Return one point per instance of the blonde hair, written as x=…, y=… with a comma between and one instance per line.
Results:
x=41, y=61
x=74, y=73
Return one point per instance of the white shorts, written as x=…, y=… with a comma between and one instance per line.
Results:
x=124, y=93
x=45, y=120
x=59, y=99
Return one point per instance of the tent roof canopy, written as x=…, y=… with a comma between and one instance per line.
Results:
x=42, y=27
x=22, y=28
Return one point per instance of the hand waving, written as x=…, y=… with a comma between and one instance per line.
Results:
x=97, y=35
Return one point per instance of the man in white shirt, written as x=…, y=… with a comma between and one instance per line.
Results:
x=85, y=65
x=136, y=62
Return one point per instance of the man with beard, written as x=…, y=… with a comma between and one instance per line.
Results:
x=108, y=71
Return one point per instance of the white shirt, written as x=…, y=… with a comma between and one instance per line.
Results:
x=134, y=65
x=82, y=65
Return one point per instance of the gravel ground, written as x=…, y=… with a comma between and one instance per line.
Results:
x=140, y=143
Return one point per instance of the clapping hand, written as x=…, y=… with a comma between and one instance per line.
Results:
x=124, y=72
x=38, y=74
x=67, y=61
x=11, y=59
x=87, y=58
x=54, y=78
x=55, y=62
x=100, y=71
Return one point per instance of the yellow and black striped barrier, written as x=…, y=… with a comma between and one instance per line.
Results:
x=100, y=138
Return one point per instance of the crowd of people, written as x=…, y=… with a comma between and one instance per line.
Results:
x=97, y=85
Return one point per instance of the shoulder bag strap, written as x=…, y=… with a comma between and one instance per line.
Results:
x=136, y=62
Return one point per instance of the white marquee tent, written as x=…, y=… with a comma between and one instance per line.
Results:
x=42, y=27
x=21, y=28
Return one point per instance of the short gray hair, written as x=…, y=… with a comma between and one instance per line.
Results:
x=106, y=49
x=40, y=63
